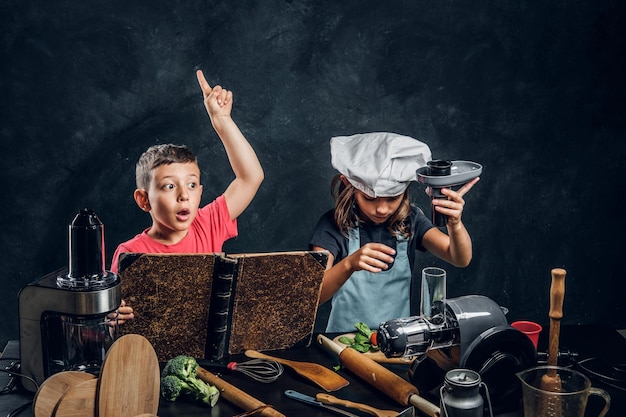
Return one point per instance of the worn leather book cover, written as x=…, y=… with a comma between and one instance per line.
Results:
x=213, y=305
x=276, y=298
x=170, y=298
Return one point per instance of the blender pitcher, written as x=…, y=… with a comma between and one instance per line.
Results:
x=87, y=340
x=568, y=401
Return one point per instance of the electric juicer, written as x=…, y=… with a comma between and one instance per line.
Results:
x=468, y=332
x=68, y=318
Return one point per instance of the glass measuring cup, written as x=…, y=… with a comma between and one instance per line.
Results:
x=570, y=400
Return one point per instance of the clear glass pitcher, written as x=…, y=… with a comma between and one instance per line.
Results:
x=556, y=391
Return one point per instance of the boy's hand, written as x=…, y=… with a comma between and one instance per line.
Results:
x=217, y=101
x=124, y=313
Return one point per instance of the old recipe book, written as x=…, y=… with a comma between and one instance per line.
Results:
x=214, y=305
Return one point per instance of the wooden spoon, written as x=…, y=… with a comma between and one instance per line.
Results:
x=551, y=381
x=325, y=378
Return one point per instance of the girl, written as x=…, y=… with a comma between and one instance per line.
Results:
x=373, y=232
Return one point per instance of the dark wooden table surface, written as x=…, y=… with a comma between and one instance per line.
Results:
x=586, y=341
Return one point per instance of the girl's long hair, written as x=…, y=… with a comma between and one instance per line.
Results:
x=347, y=216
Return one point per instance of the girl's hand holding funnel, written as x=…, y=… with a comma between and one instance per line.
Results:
x=448, y=208
x=440, y=176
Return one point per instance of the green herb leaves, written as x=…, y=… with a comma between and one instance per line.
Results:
x=361, y=341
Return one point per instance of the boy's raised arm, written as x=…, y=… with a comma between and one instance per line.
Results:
x=243, y=160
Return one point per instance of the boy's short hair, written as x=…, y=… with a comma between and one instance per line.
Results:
x=158, y=155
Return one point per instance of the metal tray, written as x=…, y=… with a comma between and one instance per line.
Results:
x=461, y=172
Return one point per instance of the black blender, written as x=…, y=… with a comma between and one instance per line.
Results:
x=68, y=318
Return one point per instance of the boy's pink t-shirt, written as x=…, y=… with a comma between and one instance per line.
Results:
x=209, y=230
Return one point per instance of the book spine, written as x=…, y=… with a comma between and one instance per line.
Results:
x=220, y=311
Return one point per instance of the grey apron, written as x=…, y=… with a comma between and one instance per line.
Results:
x=372, y=297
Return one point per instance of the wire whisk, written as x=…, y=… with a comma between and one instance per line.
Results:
x=261, y=370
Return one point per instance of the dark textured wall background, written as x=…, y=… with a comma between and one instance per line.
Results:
x=534, y=91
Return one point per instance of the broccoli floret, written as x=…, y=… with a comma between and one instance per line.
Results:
x=180, y=377
x=182, y=366
x=172, y=387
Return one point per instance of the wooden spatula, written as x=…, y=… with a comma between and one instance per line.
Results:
x=551, y=381
x=129, y=380
x=325, y=378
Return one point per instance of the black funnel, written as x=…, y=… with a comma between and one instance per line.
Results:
x=86, y=253
x=86, y=246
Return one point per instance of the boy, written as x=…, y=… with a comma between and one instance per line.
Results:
x=168, y=187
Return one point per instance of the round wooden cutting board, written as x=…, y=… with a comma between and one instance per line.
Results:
x=79, y=401
x=54, y=388
x=129, y=380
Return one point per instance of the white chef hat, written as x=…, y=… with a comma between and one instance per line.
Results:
x=380, y=164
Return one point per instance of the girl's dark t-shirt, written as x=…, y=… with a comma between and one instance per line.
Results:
x=327, y=235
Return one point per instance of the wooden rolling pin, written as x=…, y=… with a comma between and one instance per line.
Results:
x=236, y=396
x=380, y=377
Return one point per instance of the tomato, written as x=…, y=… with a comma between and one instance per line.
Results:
x=373, y=338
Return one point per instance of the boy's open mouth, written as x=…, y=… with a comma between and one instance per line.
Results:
x=183, y=215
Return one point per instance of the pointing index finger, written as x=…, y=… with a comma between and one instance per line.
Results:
x=204, y=85
x=468, y=186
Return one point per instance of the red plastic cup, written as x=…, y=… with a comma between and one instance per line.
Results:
x=530, y=329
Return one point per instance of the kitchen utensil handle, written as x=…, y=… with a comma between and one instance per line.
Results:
x=330, y=399
x=380, y=377
x=329, y=345
x=425, y=406
x=557, y=294
x=236, y=396
x=258, y=355
x=298, y=396
x=389, y=383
